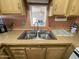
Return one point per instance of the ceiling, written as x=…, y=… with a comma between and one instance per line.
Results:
x=38, y=1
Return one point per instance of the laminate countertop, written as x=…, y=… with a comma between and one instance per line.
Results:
x=11, y=38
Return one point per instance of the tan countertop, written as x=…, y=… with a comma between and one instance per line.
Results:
x=11, y=38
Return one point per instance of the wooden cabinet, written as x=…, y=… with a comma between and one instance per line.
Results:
x=3, y=54
x=35, y=53
x=11, y=6
x=64, y=7
x=55, y=52
x=28, y=53
x=73, y=9
x=18, y=52
x=60, y=7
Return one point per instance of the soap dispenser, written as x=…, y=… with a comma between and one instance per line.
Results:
x=74, y=28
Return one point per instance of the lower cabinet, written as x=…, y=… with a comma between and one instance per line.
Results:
x=3, y=54
x=18, y=52
x=37, y=52
x=28, y=53
x=55, y=52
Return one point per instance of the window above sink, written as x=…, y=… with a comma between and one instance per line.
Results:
x=38, y=15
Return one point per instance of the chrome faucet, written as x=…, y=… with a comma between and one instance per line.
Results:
x=36, y=25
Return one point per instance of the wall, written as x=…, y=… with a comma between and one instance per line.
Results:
x=77, y=20
x=19, y=22
x=60, y=25
x=23, y=22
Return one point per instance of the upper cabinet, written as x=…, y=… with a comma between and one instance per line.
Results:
x=73, y=8
x=11, y=6
x=60, y=7
x=64, y=7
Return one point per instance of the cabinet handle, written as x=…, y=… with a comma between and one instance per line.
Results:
x=73, y=9
x=55, y=8
x=19, y=7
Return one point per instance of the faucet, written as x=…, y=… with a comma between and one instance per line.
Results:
x=36, y=25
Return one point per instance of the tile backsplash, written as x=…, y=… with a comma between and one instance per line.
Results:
x=19, y=22
x=77, y=20
x=60, y=24
x=23, y=22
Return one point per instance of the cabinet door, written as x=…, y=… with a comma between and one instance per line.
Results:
x=35, y=53
x=18, y=52
x=11, y=6
x=60, y=7
x=5, y=7
x=16, y=6
x=73, y=7
x=3, y=54
x=55, y=52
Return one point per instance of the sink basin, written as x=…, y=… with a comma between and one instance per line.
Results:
x=33, y=34
x=28, y=35
x=46, y=35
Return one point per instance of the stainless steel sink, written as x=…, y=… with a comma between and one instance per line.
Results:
x=33, y=34
x=46, y=35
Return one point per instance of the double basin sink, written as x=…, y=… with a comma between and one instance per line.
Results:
x=34, y=34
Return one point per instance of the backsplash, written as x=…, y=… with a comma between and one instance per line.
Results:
x=23, y=22
x=60, y=24
x=77, y=20
x=19, y=22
